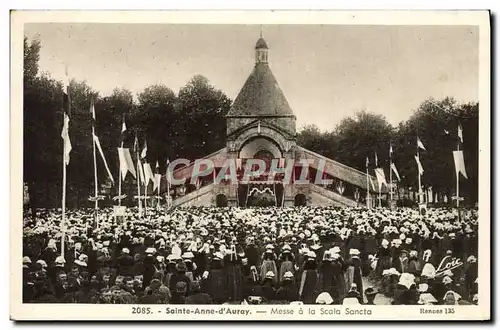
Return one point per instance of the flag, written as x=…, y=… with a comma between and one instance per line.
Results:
x=168, y=173
x=148, y=174
x=379, y=172
x=96, y=141
x=376, y=159
x=136, y=144
x=446, y=132
x=458, y=157
x=460, y=133
x=122, y=136
x=420, y=144
x=394, y=169
x=126, y=163
x=65, y=137
x=371, y=183
x=367, y=162
x=238, y=163
x=390, y=148
x=142, y=177
x=157, y=181
x=420, y=168
x=65, y=130
x=144, y=150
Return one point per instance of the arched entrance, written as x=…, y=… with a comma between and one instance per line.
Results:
x=300, y=200
x=221, y=200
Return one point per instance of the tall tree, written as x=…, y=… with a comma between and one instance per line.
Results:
x=157, y=122
x=202, y=122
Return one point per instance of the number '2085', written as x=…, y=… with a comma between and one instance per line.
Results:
x=141, y=310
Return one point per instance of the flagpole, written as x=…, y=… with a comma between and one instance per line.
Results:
x=138, y=175
x=63, y=218
x=458, y=180
x=63, y=206
x=167, y=176
x=120, y=180
x=367, y=188
x=158, y=188
x=390, y=170
x=96, y=203
x=419, y=181
x=146, y=183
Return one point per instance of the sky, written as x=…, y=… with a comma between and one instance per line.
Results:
x=327, y=72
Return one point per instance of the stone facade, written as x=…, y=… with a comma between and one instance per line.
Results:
x=261, y=120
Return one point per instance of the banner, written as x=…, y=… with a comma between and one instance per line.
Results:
x=126, y=163
x=379, y=172
x=458, y=157
x=395, y=170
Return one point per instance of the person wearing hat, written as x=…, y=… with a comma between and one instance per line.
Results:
x=197, y=297
x=353, y=293
x=354, y=272
x=370, y=295
x=232, y=269
x=287, y=260
x=269, y=264
x=324, y=298
x=125, y=263
x=268, y=290
x=149, y=266
x=252, y=252
x=470, y=276
x=327, y=281
x=384, y=258
x=308, y=290
x=216, y=280
x=287, y=291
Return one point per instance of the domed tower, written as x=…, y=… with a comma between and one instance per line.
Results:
x=261, y=50
x=260, y=123
x=261, y=107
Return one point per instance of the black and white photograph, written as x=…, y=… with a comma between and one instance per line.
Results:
x=252, y=169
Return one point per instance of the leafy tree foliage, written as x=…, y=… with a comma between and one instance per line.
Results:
x=434, y=122
x=190, y=125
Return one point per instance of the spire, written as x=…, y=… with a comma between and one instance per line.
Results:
x=261, y=49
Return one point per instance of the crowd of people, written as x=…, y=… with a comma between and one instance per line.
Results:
x=209, y=255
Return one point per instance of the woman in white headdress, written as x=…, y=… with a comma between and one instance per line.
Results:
x=384, y=257
x=308, y=280
x=269, y=263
